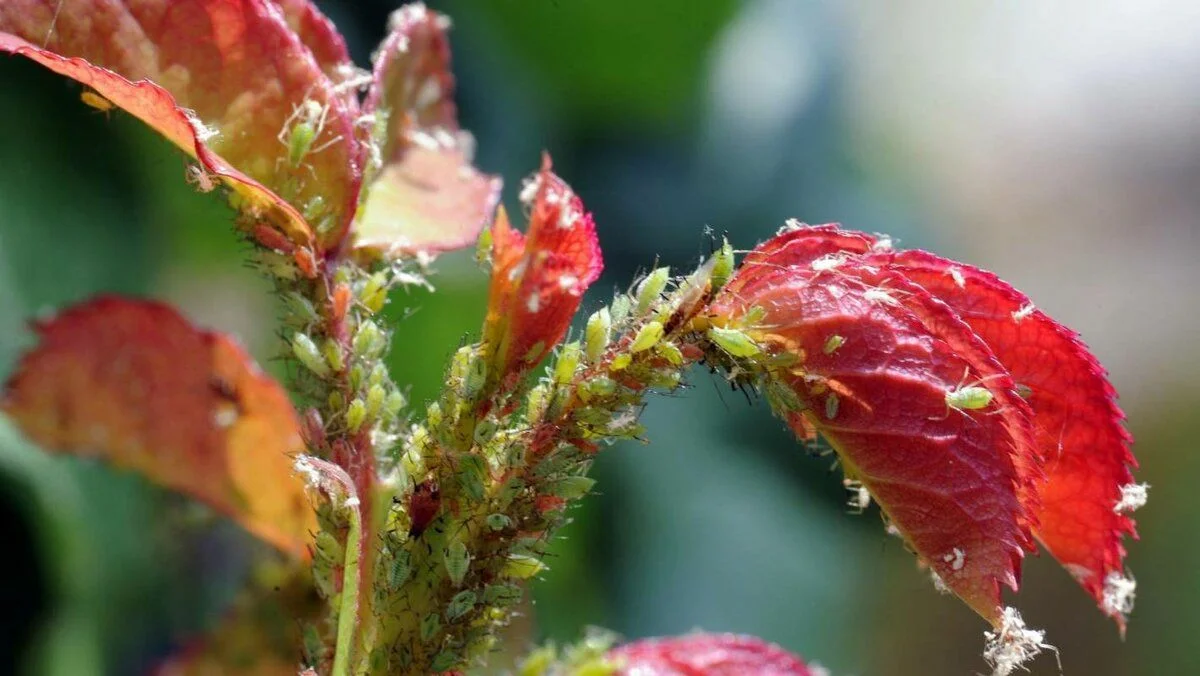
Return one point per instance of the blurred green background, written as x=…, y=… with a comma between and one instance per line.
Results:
x=1055, y=144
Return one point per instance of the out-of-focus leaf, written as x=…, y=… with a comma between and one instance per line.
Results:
x=134, y=383
x=424, y=195
x=261, y=633
x=707, y=655
x=241, y=72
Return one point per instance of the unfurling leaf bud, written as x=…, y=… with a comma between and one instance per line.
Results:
x=308, y=355
x=596, y=335
x=651, y=288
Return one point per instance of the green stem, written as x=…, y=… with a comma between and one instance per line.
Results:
x=348, y=613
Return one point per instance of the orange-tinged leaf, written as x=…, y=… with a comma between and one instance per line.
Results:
x=949, y=480
x=133, y=383
x=1078, y=423
x=424, y=195
x=238, y=66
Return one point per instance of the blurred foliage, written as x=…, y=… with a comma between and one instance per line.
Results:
x=721, y=522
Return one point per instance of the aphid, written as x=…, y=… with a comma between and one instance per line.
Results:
x=460, y=605
x=501, y=594
x=968, y=397
x=457, y=560
x=369, y=340
x=831, y=405
x=356, y=415
x=306, y=261
x=572, y=487
x=833, y=343
x=301, y=130
x=471, y=472
x=647, y=337
x=340, y=300
x=429, y=626
x=400, y=570
x=651, y=288
x=723, y=266
x=568, y=361
x=596, y=335
x=308, y=355
x=196, y=175
x=523, y=566
x=499, y=521
x=734, y=342
x=443, y=661
x=97, y=101
x=333, y=355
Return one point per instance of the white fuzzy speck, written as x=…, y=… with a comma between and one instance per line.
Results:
x=568, y=281
x=1133, y=496
x=938, y=583
x=352, y=502
x=529, y=191
x=880, y=296
x=791, y=225
x=429, y=93
x=533, y=303
x=956, y=558
x=830, y=262
x=1023, y=312
x=568, y=219
x=1119, y=593
x=225, y=416
x=884, y=243
x=305, y=469
x=957, y=276
x=1013, y=645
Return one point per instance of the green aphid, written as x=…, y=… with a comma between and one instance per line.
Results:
x=833, y=343
x=400, y=569
x=498, y=522
x=460, y=605
x=831, y=406
x=429, y=626
x=308, y=355
x=723, y=265
x=647, y=337
x=734, y=342
x=597, y=333
x=971, y=397
x=458, y=561
x=572, y=487
x=651, y=288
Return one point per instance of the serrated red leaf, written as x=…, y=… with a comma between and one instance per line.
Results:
x=1078, y=423
x=538, y=279
x=133, y=383
x=425, y=196
x=707, y=655
x=946, y=478
x=237, y=66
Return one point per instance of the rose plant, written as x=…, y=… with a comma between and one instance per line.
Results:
x=979, y=425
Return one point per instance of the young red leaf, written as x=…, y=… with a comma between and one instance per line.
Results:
x=133, y=383
x=422, y=195
x=538, y=279
x=324, y=41
x=948, y=478
x=707, y=655
x=268, y=109
x=1078, y=423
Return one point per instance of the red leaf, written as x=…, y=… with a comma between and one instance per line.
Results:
x=538, y=279
x=322, y=38
x=1078, y=423
x=950, y=480
x=707, y=655
x=237, y=65
x=134, y=383
x=425, y=197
